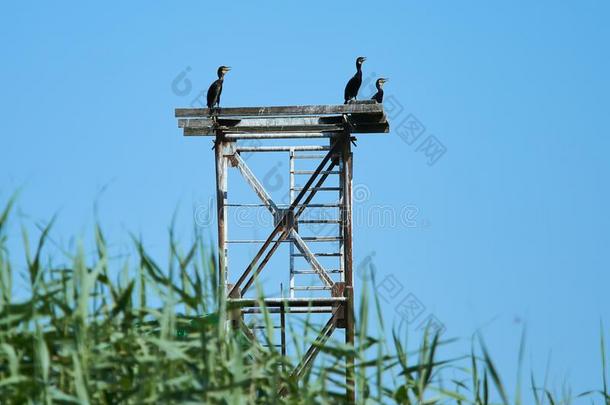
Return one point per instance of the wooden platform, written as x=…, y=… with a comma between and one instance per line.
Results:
x=307, y=121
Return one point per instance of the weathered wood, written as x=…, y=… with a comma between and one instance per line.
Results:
x=221, y=200
x=298, y=310
x=277, y=111
x=287, y=302
x=311, y=259
x=346, y=227
x=315, y=347
x=235, y=316
x=300, y=127
x=272, y=122
x=268, y=201
x=338, y=122
x=282, y=135
x=279, y=225
x=282, y=148
x=283, y=333
x=255, y=184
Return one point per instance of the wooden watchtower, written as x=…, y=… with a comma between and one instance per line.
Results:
x=334, y=126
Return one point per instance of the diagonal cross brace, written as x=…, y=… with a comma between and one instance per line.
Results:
x=314, y=349
x=315, y=264
x=255, y=184
x=280, y=226
x=285, y=231
x=259, y=189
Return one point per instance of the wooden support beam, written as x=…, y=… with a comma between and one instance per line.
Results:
x=278, y=111
x=282, y=135
x=290, y=132
x=221, y=199
x=256, y=124
x=300, y=148
x=248, y=122
x=288, y=310
x=283, y=333
x=287, y=302
x=234, y=315
x=346, y=230
x=294, y=125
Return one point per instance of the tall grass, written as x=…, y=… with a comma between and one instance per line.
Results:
x=98, y=332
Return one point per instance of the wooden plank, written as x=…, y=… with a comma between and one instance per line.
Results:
x=356, y=108
x=273, y=122
x=285, y=302
x=266, y=127
x=298, y=310
x=315, y=148
x=283, y=135
x=297, y=131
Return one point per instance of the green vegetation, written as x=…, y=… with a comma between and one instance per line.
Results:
x=90, y=334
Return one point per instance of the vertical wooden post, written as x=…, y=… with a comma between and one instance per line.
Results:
x=235, y=316
x=221, y=201
x=283, y=331
x=292, y=250
x=346, y=225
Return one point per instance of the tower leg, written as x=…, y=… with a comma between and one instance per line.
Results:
x=221, y=200
x=346, y=224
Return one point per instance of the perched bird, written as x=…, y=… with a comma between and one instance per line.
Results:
x=215, y=89
x=353, y=85
x=379, y=95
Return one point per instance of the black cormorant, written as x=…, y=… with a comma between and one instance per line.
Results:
x=215, y=89
x=352, y=87
x=379, y=95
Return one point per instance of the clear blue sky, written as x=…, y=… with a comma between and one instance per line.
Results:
x=512, y=222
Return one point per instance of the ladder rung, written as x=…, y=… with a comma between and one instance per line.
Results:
x=309, y=156
x=334, y=271
x=313, y=171
x=333, y=205
x=319, y=221
x=305, y=238
x=322, y=238
x=258, y=241
x=310, y=288
x=318, y=188
x=318, y=254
